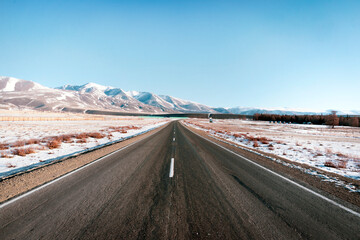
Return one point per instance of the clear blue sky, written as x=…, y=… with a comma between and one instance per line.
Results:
x=297, y=54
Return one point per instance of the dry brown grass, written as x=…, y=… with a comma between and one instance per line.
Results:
x=82, y=140
x=19, y=143
x=4, y=146
x=32, y=141
x=52, y=144
x=19, y=152
x=29, y=150
x=96, y=135
x=4, y=155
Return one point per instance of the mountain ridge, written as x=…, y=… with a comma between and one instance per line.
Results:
x=18, y=93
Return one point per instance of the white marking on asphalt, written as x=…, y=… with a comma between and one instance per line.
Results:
x=284, y=178
x=171, y=174
x=173, y=139
x=70, y=173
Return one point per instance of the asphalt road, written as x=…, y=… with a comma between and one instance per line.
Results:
x=210, y=193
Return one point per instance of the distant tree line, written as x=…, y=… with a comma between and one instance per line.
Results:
x=331, y=119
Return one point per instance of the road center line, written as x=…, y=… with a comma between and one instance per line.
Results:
x=173, y=139
x=171, y=174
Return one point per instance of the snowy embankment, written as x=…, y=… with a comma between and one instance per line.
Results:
x=24, y=145
x=316, y=146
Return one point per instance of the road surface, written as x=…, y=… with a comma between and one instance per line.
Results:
x=175, y=185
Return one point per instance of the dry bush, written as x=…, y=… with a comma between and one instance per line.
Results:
x=19, y=152
x=341, y=155
x=271, y=147
x=256, y=144
x=318, y=155
x=4, y=146
x=251, y=138
x=19, y=143
x=82, y=140
x=52, y=144
x=96, y=135
x=81, y=136
x=9, y=165
x=29, y=150
x=264, y=140
x=3, y=155
x=237, y=135
x=329, y=164
x=342, y=164
x=67, y=138
x=279, y=142
x=32, y=141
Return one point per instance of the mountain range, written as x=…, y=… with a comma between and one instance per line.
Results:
x=22, y=94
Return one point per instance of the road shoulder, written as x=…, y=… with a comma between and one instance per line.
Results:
x=22, y=183
x=329, y=189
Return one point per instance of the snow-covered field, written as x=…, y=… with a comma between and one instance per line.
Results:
x=333, y=150
x=23, y=143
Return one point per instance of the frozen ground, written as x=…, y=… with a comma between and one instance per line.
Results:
x=23, y=143
x=332, y=150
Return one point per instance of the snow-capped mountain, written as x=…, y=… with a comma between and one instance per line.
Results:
x=186, y=106
x=285, y=111
x=162, y=103
x=20, y=94
x=17, y=93
x=10, y=84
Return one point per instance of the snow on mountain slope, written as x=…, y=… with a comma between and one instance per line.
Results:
x=186, y=106
x=287, y=111
x=153, y=100
x=9, y=84
x=17, y=93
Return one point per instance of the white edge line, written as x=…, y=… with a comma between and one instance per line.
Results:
x=284, y=178
x=171, y=174
x=68, y=174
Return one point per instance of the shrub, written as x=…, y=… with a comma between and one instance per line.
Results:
x=329, y=164
x=29, y=150
x=18, y=143
x=81, y=136
x=32, y=141
x=342, y=164
x=19, y=152
x=82, y=140
x=256, y=144
x=53, y=144
x=264, y=140
x=4, y=146
x=96, y=135
x=67, y=138
x=3, y=155
x=341, y=155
